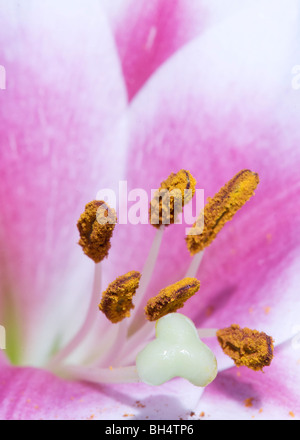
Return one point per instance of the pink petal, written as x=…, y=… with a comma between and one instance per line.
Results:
x=240, y=393
x=64, y=96
x=33, y=394
x=223, y=103
x=148, y=33
x=3, y=359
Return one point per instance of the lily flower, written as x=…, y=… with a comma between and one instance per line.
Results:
x=98, y=92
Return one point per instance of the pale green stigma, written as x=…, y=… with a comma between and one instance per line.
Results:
x=177, y=351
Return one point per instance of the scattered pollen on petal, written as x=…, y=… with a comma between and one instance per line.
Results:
x=171, y=298
x=248, y=402
x=96, y=225
x=174, y=192
x=116, y=301
x=220, y=209
x=249, y=348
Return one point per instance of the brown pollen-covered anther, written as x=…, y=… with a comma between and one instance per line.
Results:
x=95, y=226
x=116, y=301
x=171, y=298
x=220, y=209
x=174, y=192
x=246, y=347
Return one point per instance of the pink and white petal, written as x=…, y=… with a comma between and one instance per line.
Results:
x=3, y=358
x=223, y=103
x=148, y=33
x=63, y=99
x=33, y=394
x=240, y=393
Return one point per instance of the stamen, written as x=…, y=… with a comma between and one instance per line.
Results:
x=220, y=209
x=96, y=227
x=116, y=301
x=102, y=375
x=207, y=332
x=137, y=319
x=250, y=348
x=176, y=351
x=135, y=343
x=174, y=192
x=171, y=298
x=87, y=324
x=195, y=264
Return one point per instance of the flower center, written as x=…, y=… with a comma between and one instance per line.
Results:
x=177, y=349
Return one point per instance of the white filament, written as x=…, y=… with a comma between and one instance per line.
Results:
x=88, y=322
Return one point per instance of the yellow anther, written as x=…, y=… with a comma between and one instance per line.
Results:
x=96, y=225
x=220, y=209
x=174, y=192
x=116, y=301
x=171, y=298
x=246, y=347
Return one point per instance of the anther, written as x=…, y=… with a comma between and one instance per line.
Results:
x=171, y=298
x=246, y=347
x=174, y=192
x=116, y=301
x=220, y=209
x=96, y=225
